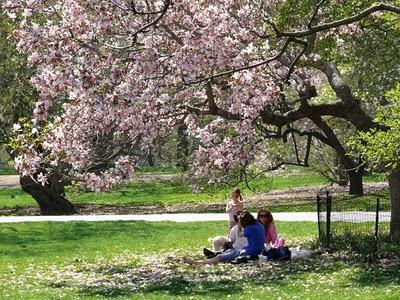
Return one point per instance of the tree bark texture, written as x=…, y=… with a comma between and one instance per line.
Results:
x=394, y=191
x=50, y=197
x=356, y=182
x=182, y=149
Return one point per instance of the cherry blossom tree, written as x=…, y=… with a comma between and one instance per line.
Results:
x=17, y=98
x=236, y=73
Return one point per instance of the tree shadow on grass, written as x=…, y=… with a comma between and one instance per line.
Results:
x=199, y=282
x=180, y=286
x=217, y=282
x=173, y=287
x=379, y=275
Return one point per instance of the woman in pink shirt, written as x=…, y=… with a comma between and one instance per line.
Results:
x=265, y=217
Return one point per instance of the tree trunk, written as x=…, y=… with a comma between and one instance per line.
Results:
x=394, y=190
x=150, y=158
x=355, y=175
x=343, y=177
x=50, y=197
x=182, y=148
x=356, y=182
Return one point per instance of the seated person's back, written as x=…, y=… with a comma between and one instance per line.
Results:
x=239, y=242
x=255, y=235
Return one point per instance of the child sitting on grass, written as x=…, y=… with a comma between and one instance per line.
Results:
x=252, y=230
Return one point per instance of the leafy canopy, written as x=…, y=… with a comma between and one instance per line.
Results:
x=382, y=148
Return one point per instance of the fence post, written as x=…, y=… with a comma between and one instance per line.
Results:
x=318, y=216
x=328, y=219
x=376, y=227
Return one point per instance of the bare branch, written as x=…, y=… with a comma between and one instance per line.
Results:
x=119, y=5
x=146, y=26
x=213, y=109
x=296, y=150
x=352, y=19
x=314, y=14
x=277, y=166
x=172, y=34
x=145, y=13
x=229, y=72
x=167, y=3
x=296, y=59
x=308, y=150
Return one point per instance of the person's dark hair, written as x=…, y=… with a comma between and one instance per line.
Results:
x=246, y=219
x=236, y=216
x=266, y=212
x=237, y=190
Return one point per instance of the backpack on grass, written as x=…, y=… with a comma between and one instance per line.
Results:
x=282, y=253
x=243, y=259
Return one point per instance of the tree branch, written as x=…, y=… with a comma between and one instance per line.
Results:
x=278, y=165
x=229, y=72
x=161, y=13
x=314, y=14
x=293, y=37
x=338, y=23
x=296, y=59
x=213, y=109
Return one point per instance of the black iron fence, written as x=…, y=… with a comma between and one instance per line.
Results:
x=355, y=224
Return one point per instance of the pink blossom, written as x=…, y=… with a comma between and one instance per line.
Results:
x=42, y=179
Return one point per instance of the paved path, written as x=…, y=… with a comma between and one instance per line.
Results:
x=9, y=181
x=181, y=217
x=189, y=217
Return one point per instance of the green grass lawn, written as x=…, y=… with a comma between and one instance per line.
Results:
x=8, y=171
x=15, y=197
x=138, y=260
x=173, y=192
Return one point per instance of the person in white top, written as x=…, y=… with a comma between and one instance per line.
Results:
x=238, y=241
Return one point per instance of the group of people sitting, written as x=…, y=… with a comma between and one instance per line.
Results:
x=248, y=236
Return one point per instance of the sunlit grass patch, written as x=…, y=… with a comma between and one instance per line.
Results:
x=14, y=198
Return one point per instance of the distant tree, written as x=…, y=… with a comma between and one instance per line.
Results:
x=381, y=148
